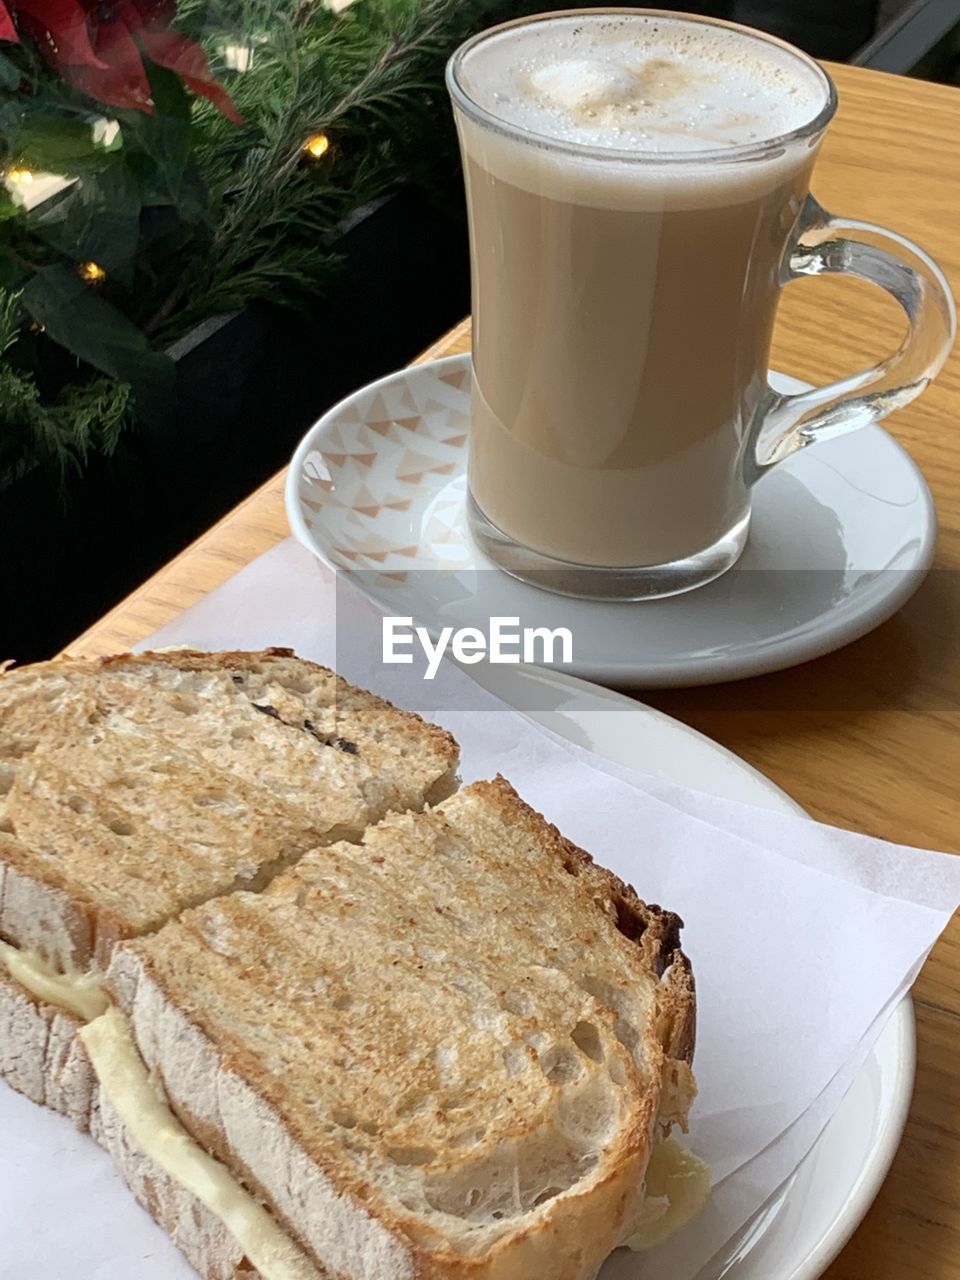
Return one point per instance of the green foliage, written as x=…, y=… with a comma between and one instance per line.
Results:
x=74, y=316
x=9, y=75
x=191, y=216
x=84, y=418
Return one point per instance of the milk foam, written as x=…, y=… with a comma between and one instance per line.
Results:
x=642, y=82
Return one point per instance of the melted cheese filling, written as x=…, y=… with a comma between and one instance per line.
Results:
x=156, y=1131
x=678, y=1181
x=78, y=993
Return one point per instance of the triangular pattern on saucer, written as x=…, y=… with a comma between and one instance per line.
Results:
x=392, y=451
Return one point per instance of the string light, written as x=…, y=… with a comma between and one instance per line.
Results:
x=29, y=188
x=317, y=146
x=237, y=57
x=91, y=273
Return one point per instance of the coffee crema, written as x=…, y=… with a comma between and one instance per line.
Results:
x=625, y=271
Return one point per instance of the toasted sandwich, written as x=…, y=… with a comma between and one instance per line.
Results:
x=446, y=1050
x=134, y=787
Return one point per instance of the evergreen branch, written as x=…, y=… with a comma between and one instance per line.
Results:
x=365, y=91
x=274, y=203
x=84, y=419
x=9, y=325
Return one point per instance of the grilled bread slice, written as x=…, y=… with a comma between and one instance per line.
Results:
x=443, y=1052
x=136, y=786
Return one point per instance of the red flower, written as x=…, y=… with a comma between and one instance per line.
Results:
x=99, y=45
x=7, y=30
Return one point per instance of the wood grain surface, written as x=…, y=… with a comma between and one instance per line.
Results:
x=867, y=738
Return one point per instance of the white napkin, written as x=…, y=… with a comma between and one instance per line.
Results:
x=802, y=937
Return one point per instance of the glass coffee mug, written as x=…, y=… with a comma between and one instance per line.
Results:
x=638, y=191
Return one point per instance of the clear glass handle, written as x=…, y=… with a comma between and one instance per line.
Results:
x=824, y=244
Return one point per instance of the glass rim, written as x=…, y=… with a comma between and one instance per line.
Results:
x=712, y=155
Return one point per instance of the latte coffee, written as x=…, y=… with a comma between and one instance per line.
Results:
x=628, y=225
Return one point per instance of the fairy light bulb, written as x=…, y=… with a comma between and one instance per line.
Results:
x=20, y=177
x=91, y=273
x=316, y=146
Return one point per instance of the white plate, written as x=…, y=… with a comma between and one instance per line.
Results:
x=843, y=534
x=55, y=1182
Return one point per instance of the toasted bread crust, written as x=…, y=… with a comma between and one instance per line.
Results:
x=405, y=724
x=240, y=661
x=654, y=930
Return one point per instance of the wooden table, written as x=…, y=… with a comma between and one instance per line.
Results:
x=866, y=738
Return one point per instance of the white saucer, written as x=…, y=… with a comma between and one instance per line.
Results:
x=843, y=534
x=63, y=1210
